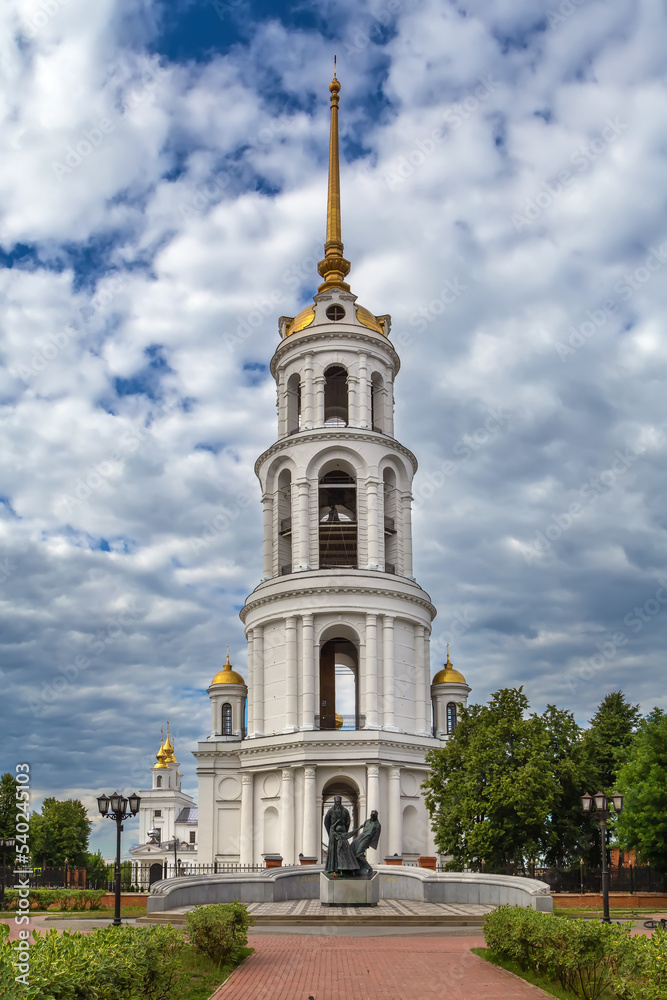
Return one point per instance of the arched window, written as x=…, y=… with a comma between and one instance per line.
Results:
x=227, y=719
x=339, y=669
x=285, y=522
x=377, y=402
x=390, y=521
x=338, y=521
x=451, y=716
x=158, y=781
x=271, y=831
x=293, y=404
x=335, y=397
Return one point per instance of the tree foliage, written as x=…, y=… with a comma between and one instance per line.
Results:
x=609, y=740
x=8, y=786
x=643, y=781
x=505, y=788
x=60, y=832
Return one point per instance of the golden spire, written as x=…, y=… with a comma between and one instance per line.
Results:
x=169, y=749
x=162, y=753
x=334, y=268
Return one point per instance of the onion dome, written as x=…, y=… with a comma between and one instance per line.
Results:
x=162, y=754
x=169, y=757
x=227, y=675
x=448, y=675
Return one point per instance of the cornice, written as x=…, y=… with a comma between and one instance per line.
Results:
x=310, y=591
x=337, y=434
x=329, y=337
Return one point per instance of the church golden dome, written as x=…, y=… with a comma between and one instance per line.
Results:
x=227, y=675
x=448, y=675
x=162, y=755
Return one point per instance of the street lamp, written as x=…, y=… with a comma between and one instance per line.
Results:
x=5, y=842
x=119, y=812
x=602, y=805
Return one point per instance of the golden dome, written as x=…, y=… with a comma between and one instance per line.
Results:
x=162, y=755
x=366, y=318
x=301, y=321
x=169, y=756
x=227, y=675
x=448, y=675
x=339, y=721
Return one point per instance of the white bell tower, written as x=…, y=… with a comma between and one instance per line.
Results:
x=339, y=686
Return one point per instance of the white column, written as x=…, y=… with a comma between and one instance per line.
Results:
x=352, y=401
x=406, y=533
x=310, y=845
x=420, y=691
x=267, y=506
x=371, y=684
x=373, y=560
x=215, y=719
x=395, y=841
x=247, y=839
x=290, y=675
x=363, y=396
x=258, y=681
x=308, y=673
x=304, y=528
x=388, y=680
x=372, y=801
x=308, y=397
x=251, y=682
x=282, y=405
x=319, y=401
x=428, y=724
x=287, y=816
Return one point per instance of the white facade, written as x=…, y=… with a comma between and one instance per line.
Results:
x=339, y=681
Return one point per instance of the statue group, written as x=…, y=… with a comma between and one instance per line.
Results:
x=346, y=853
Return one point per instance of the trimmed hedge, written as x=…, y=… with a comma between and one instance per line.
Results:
x=113, y=963
x=219, y=931
x=63, y=899
x=586, y=957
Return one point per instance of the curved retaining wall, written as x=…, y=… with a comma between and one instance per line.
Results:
x=277, y=884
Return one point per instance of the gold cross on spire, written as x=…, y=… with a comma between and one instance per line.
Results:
x=334, y=268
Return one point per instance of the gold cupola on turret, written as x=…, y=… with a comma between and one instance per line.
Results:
x=228, y=694
x=162, y=753
x=449, y=691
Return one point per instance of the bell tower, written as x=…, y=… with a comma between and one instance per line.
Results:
x=339, y=686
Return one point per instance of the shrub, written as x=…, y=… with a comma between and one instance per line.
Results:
x=219, y=931
x=649, y=981
x=586, y=957
x=113, y=963
x=65, y=899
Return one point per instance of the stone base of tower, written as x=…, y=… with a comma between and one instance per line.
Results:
x=268, y=795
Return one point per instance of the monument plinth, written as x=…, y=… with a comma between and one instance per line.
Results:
x=359, y=891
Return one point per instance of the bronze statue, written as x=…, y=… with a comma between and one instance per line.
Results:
x=336, y=814
x=350, y=859
x=367, y=839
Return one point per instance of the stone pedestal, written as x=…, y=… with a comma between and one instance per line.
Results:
x=393, y=859
x=349, y=891
x=307, y=861
x=273, y=861
x=427, y=861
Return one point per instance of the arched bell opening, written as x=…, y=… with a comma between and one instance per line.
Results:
x=336, y=408
x=390, y=496
x=293, y=404
x=377, y=403
x=349, y=794
x=227, y=720
x=337, y=520
x=285, y=521
x=451, y=717
x=339, y=695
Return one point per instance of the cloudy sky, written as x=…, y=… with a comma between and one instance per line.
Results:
x=162, y=198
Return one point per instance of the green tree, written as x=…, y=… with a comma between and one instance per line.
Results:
x=643, y=780
x=503, y=789
x=8, y=786
x=60, y=832
x=98, y=872
x=609, y=740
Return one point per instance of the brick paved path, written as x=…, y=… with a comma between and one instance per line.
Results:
x=292, y=967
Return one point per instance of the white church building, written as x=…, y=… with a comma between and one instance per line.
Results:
x=339, y=698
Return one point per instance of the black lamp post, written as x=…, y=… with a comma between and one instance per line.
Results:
x=119, y=811
x=5, y=842
x=602, y=804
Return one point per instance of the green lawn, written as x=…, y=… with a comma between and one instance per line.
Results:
x=205, y=975
x=554, y=989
